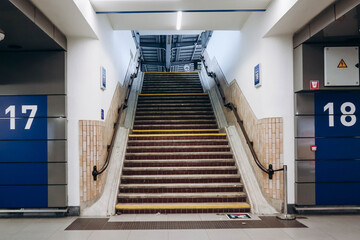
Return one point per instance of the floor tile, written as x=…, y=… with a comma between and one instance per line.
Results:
x=184, y=217
x=151, y=217
x=149, y=235
x=307, y=234
x=110, y=235
x=71, y=235
x=267, y=234
x=227, y=234
x=123, y=218
x=188, y=234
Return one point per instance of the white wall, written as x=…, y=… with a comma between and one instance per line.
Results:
x=238, y=52
x=85, y=98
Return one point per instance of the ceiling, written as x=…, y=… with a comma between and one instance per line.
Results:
x=161, y=14
x=22, y=34
x=174, y=53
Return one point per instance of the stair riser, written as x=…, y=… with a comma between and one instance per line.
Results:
x=181, y=200
x=184, y=164
x=224, y=156
x=172, y=91
x=178, y=172
x=177, y=138
x=183, y=211
x=173, y=118
x=150, y=144
x=174, y=109
x=179, y=122
x=163, y=150
x=204, y=181
x=180, y=190
x=207, y=126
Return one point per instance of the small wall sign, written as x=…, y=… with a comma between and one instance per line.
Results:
x=257, y=80
x=102, y=114
x=102, y=78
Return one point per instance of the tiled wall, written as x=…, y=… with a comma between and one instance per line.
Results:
x=266, y=134
x=94, y=136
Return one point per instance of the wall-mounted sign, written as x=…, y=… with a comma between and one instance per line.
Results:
x=187, y=68
x=341, y=66
x=102, y=114
x=257, y=80
x=102, y=78
x=314, y=84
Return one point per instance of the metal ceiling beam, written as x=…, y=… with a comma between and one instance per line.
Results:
x=171, y=64
x=168, y=52
x=174, y=45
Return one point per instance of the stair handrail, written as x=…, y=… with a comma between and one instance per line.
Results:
x=270, y=171
x=123, y=106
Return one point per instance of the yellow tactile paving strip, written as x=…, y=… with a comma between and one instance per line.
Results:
x=181, y=206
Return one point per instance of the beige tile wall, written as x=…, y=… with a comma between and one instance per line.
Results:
x=266, y=135
x=94, y=138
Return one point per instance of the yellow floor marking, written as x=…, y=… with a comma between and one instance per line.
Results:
x=177, y=135
x=180, y=206
x=170, y=72
x=173, y=94
x=178, y=130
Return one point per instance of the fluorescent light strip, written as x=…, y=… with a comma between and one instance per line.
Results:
x=179, y=19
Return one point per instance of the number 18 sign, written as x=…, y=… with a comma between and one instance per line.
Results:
x=337, y=114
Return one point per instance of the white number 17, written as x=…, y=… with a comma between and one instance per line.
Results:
x=24, y=109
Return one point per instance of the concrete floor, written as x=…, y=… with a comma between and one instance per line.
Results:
x=340, y=227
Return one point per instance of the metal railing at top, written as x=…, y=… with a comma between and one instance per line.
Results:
x=270, y=170
x=123, y=106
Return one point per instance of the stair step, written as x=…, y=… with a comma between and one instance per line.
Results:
x=181, y=185
x=182, y=195
x=175, y=108
x=175, y=118
x=179, y=170
x=163, y=149
x=175, y=126
x=183, y=155
x=183, y=208
x=203, y=142
x=182, y=113
x=179, y=163
x=175, y=122
x=176, y=137
x=143, y=105
x=192, y=178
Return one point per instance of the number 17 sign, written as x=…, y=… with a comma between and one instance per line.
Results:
x=23, y=117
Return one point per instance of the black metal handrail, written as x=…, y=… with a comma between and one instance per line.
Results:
x=123, y=106
x=270, y=171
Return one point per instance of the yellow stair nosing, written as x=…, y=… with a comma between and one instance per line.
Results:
x=177, y=130
x=181, y=206
x=177, y=135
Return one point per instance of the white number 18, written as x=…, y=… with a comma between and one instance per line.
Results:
x=346, y=114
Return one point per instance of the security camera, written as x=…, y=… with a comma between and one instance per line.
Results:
x=2, y=35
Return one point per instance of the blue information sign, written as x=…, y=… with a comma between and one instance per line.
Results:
x=24, y=151
x=257, y=82
x=337, y=132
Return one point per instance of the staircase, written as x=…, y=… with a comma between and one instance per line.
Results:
x=177, y=160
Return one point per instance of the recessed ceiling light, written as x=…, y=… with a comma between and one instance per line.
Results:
x=2, y=35
x=179, y=19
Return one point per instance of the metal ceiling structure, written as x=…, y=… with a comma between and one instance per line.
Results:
x=171, y=53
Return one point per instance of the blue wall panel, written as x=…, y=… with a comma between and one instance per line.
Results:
x=23, y=173
x=337, y=171
x=337, y=193
x=337, y=148
x=23, y=151
x=23, y=196
x=337, y=178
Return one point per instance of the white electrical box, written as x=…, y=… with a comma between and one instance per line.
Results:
x=341, y=66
